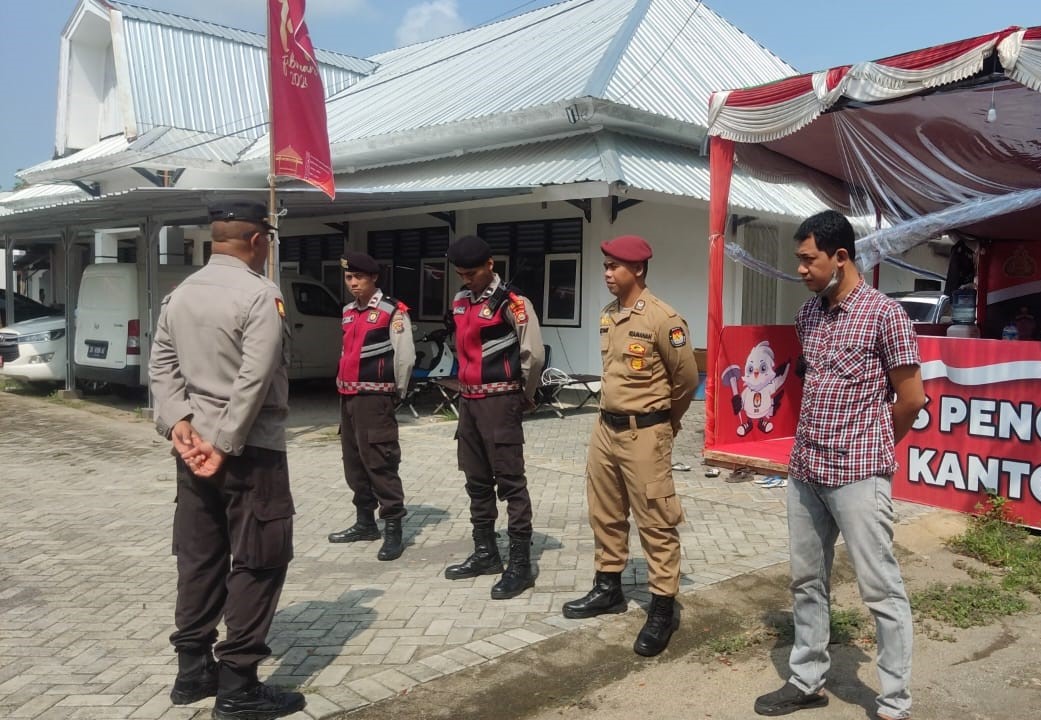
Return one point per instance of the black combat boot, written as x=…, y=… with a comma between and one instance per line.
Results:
x=605, y=597
x=518, y=576
x=243, y=697
x=392, y=544
x=661, y=621
x=364, y=528
x=485, y=559
x=196, y=678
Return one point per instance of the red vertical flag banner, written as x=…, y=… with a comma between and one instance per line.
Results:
x=300, y=137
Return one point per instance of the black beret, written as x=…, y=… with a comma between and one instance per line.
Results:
x=469, y=251
x=241, y=211
x=359, y=262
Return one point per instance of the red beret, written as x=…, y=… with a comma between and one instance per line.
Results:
x=627, y=248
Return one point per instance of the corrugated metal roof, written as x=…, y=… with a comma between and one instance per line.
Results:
x=196, y=75
x=104, y=148
x=650, y=54
x=679, y=54
x=522, y=62
x=37, y=196
x=605, y=157
x=677, y=170
x=557, y=162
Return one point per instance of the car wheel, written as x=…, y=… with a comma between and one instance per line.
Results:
x=93, y=387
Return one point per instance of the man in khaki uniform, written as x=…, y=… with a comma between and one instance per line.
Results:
x=648, y=383
x=218, y=372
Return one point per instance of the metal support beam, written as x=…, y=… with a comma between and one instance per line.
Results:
x=617, y=206
x=160, y=178
x=68, y=237
x=737, y=221
x=585, y=205
x=445, y=217
x=9, y=283
x=92, y=189
x=150, y=234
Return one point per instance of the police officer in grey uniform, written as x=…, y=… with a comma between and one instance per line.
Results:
x=218, y=373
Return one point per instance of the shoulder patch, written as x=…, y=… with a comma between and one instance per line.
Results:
x=398, y=326
x=677, y=337
x=281, y=307
x=517, y=308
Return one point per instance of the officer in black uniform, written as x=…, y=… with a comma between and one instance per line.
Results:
x=218, y=372
x=500, y=353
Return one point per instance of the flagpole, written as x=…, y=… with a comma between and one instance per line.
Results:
x=273, y=265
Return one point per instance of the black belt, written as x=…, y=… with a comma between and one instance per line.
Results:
x=621, y=422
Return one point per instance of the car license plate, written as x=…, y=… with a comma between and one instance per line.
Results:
x=97, y=349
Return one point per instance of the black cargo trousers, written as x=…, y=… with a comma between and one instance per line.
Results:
x=233, y=538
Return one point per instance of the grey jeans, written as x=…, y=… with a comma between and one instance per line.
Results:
x=863, y=513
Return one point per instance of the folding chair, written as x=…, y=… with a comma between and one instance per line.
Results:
x=450, y=391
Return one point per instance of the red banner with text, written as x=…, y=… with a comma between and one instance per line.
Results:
x=299, y=130
x=981, y=429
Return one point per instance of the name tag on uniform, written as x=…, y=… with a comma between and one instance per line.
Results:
x=348, y=319
x=459, y=310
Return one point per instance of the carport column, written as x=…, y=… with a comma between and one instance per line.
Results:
x=106, y=247
x=150, y=234
x=171, y=246
x=9, y=285
x=68, y=238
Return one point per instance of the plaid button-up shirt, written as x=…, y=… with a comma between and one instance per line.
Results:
x=845, y=430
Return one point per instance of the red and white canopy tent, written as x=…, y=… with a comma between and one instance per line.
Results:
x=956, y=127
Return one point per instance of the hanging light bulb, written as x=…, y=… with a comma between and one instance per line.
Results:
x=992, y=112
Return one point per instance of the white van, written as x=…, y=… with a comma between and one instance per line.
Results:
x=111, y=342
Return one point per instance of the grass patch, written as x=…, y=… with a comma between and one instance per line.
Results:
x=849, y=627
x=967, y=605
x=995, y=539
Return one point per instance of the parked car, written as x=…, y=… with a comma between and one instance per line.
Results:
x=111, y=337
x=25, y=308
x=925, y=306
x=33, y=351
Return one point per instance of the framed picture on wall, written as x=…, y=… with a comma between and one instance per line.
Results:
x=561, y=302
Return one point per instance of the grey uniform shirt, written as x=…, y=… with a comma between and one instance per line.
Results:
x=220, y=358
x=401, y=342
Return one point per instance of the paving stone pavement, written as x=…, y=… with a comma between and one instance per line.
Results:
x=87, y=580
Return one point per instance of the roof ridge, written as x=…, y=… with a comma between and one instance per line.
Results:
x=600, y=78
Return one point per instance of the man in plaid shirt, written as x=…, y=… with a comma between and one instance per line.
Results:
x=862, y=389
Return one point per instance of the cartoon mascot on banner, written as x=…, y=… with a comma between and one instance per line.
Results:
x=763, y=388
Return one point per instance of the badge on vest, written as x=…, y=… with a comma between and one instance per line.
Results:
x=677, y=338
x=637, y=349
x=637, y=363
x=486, y=312
x=459, y=310
x=374, y=316
x=281, y=307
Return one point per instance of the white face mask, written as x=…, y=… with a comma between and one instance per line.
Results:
x=833, y=284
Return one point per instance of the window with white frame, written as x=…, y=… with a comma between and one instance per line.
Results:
x=411, y=272
x=543, y=262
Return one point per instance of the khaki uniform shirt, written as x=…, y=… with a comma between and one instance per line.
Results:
x=529, y=337
x=220, y=358
x=648, y=361
x=401, y=342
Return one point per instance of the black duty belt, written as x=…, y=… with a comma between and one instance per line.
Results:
x=621, y=422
